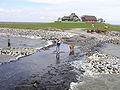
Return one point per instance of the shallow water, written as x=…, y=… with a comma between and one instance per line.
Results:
x=6, y=58
x=21, y=42
x=13, y=73
x=18, y=42
x=111, y=49
x=102, y=81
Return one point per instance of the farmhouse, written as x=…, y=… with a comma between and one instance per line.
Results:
x=72, y=17
x=89, y=19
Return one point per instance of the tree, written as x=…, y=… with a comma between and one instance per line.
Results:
x=59, y=19
x=101, y=20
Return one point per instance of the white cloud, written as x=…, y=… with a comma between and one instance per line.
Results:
x=2, y=10
x=54, y=1
x=88, y=2
x=45, y=1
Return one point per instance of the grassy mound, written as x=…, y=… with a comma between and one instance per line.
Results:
x=63, y=26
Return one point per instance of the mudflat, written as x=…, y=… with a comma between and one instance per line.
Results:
x=94, y=63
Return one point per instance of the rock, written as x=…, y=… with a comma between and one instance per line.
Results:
x=18, y=52
x=35, y=84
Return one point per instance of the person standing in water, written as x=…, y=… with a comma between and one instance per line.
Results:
x=58, y=42
x=71, y=49
x=9, y=45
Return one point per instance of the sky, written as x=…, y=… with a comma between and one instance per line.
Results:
x=50, y=10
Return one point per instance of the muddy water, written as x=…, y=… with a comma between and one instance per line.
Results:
x=13, y=73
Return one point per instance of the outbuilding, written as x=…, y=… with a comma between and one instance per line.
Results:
x=89, y=19
x=72, y=17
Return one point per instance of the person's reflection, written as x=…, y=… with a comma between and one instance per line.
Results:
x=57, y=58
x=71, y=53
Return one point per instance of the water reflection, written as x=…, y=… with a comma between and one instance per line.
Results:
x=71, y=53
x=57, y=58
x=20, y=42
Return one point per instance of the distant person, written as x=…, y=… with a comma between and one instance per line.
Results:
x=9, y=45
x=58, y=43
x=93, y=26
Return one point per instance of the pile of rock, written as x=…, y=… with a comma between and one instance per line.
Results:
x=102, y=63
x=52, y=29
x=17, y=52
x=86, y=43
x=109, y=37
x=46, y=34
x=114, y=33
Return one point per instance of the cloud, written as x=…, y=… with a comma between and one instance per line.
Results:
x=44, y=1
x=106, y=9
x=88, y=2
x=8, y=11
x=2, y=10
x=26, y=15
x=52, y=1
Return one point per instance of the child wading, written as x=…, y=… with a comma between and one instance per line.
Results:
x=58, y=42
x=71, y=49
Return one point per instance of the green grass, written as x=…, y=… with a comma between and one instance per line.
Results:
x=64, y=26
x=114, y=28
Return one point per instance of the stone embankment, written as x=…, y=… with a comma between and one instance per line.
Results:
x=103, y=63
x=17, y=52
x=45, y=34
x=87, y=44
x=96, y=62
x=100, y=68
x=108, y=37
x=99, y=63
